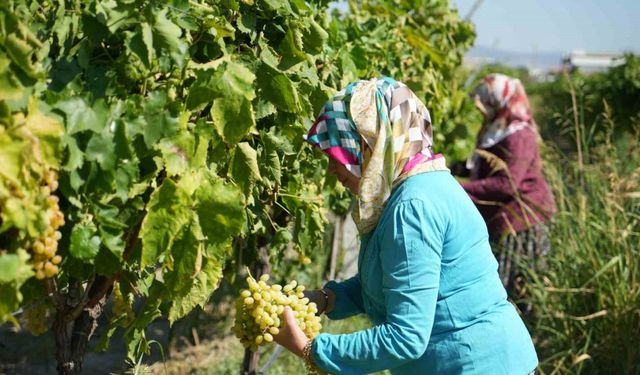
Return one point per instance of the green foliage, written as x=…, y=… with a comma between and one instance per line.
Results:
x=618, y=88
x=182, y=149
x=419, y=42
x=588, y=301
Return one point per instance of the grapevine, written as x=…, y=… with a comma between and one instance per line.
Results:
x=175, y=134
x=259, y=311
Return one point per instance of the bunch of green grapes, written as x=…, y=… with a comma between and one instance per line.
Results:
x=36, y=318
x=44, y=259
x=122, y=306
x=259, y=311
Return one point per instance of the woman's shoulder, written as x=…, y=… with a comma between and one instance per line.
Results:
x=525, y=136
x=425, y=193
x=423, y=187
x=422, y=200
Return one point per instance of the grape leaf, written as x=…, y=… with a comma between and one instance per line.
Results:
x=315, y=37
x=277, y=88
x=271, y=165
x=291, y=48
x=102, y=150
x=233, y=118
x=247, y=23
x=220, y=207
x=178, y=153
x=140, y=43
x=10, y=86
x=264, y=109
x=244, y=167
x=81, y=116
x=230, y=80
x=48, y=130
x=282, y=6
x=75, y=156
x=85, y=243
x=188, y=283
x=20, y=51
x=15, y=268
x=167, y=213
x=159, y=121
x=168, y=37
x=199, y=291
x=11, y=150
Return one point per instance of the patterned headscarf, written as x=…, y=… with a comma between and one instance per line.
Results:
x=505, y=99
x=381, y=132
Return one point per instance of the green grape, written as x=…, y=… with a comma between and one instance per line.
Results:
x=266, y=296
x=260, y=307
x=36, y=319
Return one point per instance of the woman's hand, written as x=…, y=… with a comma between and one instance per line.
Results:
x=325, y=305
x=291, y=336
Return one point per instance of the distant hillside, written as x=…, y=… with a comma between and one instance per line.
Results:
x=533, y=61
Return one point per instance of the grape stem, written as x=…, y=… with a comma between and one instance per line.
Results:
x=51, y=287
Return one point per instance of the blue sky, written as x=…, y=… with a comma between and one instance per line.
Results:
x=556, y=25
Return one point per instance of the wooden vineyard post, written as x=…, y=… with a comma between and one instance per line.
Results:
x=250, y=362
x=335, y=246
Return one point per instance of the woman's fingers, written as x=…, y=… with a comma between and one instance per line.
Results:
x=289, y=323
x=290, y=318
x=291, y=336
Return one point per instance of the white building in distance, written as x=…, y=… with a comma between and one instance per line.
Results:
x=591, y=62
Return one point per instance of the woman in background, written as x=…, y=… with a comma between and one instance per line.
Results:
x=506, y=180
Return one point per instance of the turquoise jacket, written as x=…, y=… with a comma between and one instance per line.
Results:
x=428, y=281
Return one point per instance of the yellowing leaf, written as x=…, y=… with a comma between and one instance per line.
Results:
x=48, y=130
x=220, y=207
x=198, y=291
x=244, y=167
x=233, y=118
x=168, y=212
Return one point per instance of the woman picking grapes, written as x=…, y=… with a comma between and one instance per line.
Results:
x=427, y=278
x=515, y=201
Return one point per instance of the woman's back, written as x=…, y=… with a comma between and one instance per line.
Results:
x=475, y=329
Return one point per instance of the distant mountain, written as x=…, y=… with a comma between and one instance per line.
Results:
x=533, y=61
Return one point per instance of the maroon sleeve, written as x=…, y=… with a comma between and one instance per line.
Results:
x=518, y=152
